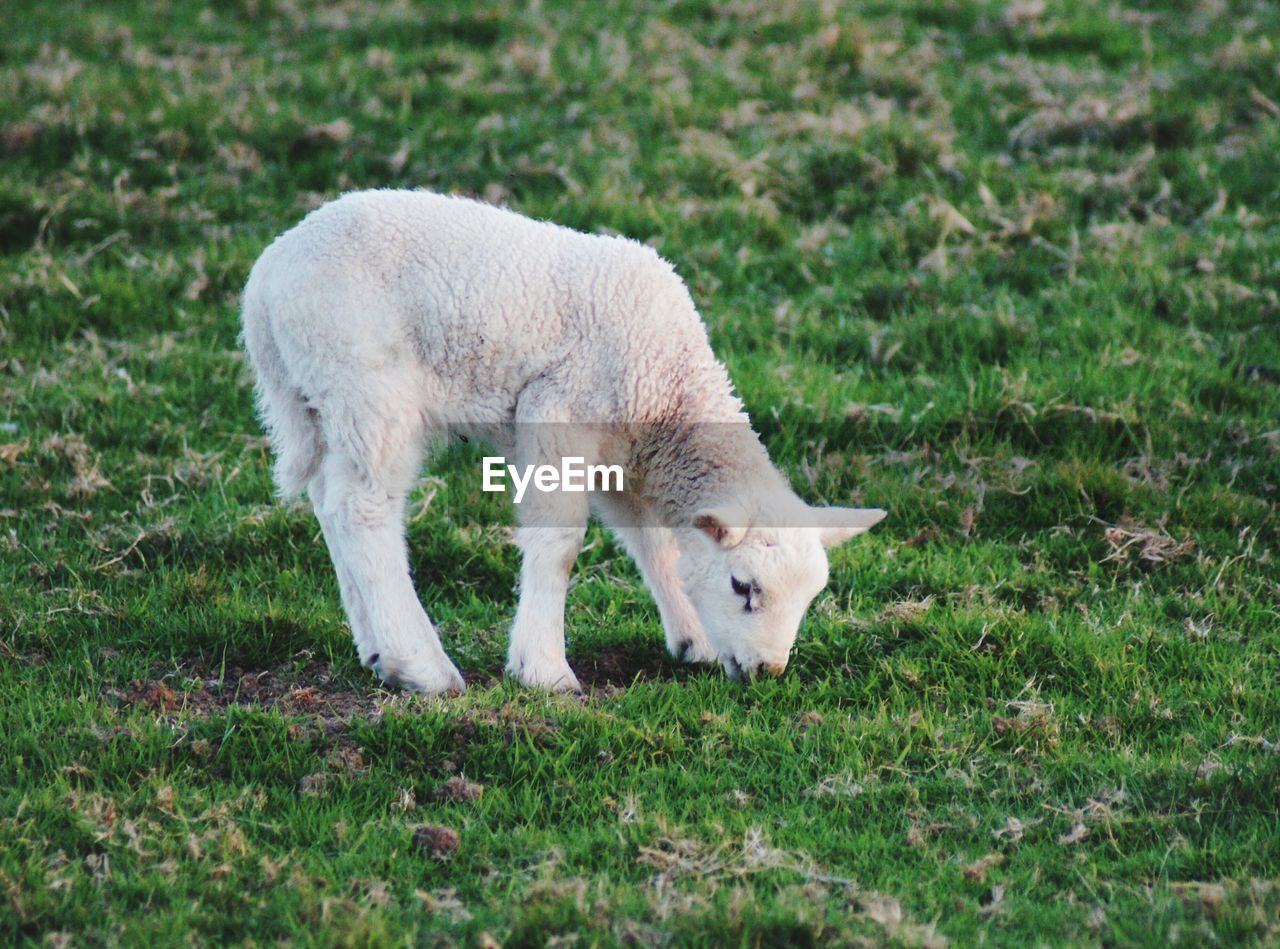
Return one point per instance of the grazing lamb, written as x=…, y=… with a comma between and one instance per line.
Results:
x=388, y=317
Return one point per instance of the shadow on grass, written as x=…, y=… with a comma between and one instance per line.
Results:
x=607, y=668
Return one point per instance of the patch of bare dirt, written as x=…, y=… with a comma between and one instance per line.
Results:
x=296, y=688
x=306, y=687
x=436, y=840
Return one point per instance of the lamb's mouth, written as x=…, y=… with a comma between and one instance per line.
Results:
x=740, y=673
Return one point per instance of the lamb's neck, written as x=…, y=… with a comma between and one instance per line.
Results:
x=696, y=450
x=696, y=464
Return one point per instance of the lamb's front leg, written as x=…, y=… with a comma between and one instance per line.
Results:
x=655, y=553
x=653, y=547
x=549, y=534
x=537, y=654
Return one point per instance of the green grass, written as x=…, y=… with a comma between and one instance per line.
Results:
x=1011, y=274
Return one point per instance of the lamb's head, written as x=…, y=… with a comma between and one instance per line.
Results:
x=751, y=578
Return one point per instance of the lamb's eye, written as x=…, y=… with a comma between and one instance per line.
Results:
x=748, y=590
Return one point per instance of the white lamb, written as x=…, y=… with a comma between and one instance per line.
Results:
x=389, y=317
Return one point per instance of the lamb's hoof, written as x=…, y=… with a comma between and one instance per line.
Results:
x=419, y=674
x=691, y=650
x=733, y=670
x=547, y=676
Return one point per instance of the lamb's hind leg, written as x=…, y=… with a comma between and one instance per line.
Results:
x=359, y=501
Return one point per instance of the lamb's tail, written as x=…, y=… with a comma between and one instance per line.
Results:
x=291, y=424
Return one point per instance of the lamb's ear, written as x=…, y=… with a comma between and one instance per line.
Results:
x=725, y=525
x=839, y=524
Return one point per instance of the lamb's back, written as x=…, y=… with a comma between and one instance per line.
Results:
x=483, y=296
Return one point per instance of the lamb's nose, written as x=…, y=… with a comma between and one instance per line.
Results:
x=774, y=669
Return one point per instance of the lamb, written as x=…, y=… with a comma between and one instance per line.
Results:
x=387, y=320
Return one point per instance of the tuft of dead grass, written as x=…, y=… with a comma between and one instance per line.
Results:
x=1129, y=542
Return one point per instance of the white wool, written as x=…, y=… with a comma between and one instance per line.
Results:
x=386, y=317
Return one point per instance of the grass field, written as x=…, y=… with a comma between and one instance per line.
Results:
x=1010, y=271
